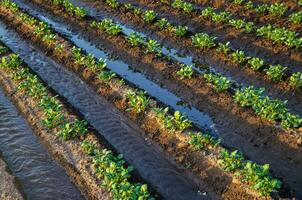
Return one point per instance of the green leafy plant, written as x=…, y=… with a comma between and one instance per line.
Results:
x=223, y=48
x=203, y=40
x=73, y=129
x=219, y=82
x=199, y=141
x=259, y=178
x=138, y=101
x=296, y=18
x=175, y=122
x=238, y=57
x=256, y=63
x=149, y=15
x=185, y=72
x=180, y=30
x=135, y=39
x=152, y=46
x=230, y=161
x=182, y=5
x=277, y=9
x=112, y=3
x=276, y=72
x=296, y=80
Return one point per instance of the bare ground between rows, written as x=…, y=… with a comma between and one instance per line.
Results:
x=237, y=126
x=257, y=46
x=171, y=182
x=209, y=57
x=10, y=189
x=258, y=19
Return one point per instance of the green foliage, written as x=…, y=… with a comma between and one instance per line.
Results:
x=256, y=63
x=223, y=48
x=135, y=39
x=180, y=30
x=152, y=46
x=185, y=72
x=182, y=5
x=219, y=82
x=280, y=35
x=230, y=161
x=115, y=177
x=88, y=147
x=276, y=72
x=163, y=23
x=296, y=80
x=199, y=141
x=175, y=122
x=238, y=57
x=259, y=178
x=106, y=76
x=10, y=5
x=203, y=40
x=296, y=18
x=270, y=109
x=72, y=9
x=108, y=26
x=73, y=129
x=112, y=3
x=138, y=101
x=149, y=15
x=277, y=9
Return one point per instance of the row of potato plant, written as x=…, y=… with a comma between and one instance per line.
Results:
x=202, y=40
x=275, y=9
x=109, y=168
x=277, y=107
x=271, y=32
x=256, y=176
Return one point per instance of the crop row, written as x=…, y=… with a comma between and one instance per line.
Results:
x=109, y=168
x=204, y=41
x=275, y=34
x=274, y=10
x=263, y=106
x=256, y=176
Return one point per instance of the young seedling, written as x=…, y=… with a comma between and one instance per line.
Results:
x=276, y=72
x=185, y=72
x=203, y=40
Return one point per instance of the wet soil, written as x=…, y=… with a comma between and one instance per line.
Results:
x=270, y=141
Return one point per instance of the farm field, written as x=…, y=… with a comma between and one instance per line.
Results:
x=145, y=100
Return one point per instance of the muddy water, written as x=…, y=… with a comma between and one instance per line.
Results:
x=39, y=176
x=150, y=162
